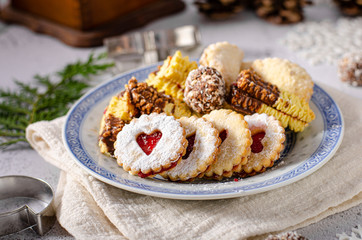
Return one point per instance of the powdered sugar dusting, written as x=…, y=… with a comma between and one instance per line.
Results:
x=237, y=143
x=206, y=143
x=272, y=142
x=129, y=153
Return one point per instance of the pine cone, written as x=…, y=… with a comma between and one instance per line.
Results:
x=350, y=7
x=280, y=11
x=221, y=9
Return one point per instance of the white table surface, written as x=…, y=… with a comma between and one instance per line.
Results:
x=24, y=54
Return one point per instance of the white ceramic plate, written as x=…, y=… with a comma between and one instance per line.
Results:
x=304, y=153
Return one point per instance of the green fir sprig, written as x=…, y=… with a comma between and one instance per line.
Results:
x=44, y=98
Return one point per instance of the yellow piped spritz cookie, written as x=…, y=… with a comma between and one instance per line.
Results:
x=268, y=142
x=203, y=147
x=236, y=141
x=150, y=145
x=172, y=75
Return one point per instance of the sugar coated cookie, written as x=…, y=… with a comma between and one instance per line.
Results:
x=204, y=89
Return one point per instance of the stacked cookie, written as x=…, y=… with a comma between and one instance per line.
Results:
x=224, y=118
x=218, y=145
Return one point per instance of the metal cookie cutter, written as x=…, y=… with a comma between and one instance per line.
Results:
x=25, y=202
x=152, y=46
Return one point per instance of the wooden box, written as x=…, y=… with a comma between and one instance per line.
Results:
x=85, y=23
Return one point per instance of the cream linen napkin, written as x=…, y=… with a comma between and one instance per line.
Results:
x=90, y=209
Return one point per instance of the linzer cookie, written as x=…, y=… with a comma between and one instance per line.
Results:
x=203, y=147
x=224, y=57
x=137, y=99
x=150, y=145
x=253, y=95
x=204, y=90
x=286, y=75
x=268, y=141
x=235, y=146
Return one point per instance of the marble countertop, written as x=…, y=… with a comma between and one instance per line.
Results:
x=24, y=53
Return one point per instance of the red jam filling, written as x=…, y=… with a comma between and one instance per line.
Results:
x=143, y=175
x=148, y=142
x=223, y=135
x=257, y=146
x=190, y=146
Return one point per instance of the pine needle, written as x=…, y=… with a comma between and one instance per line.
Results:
x=44, y=98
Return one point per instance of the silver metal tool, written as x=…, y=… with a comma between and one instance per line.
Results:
x=25, y=202
x=152, y=46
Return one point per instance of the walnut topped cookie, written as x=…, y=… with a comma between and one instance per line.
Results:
x=146, y=99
